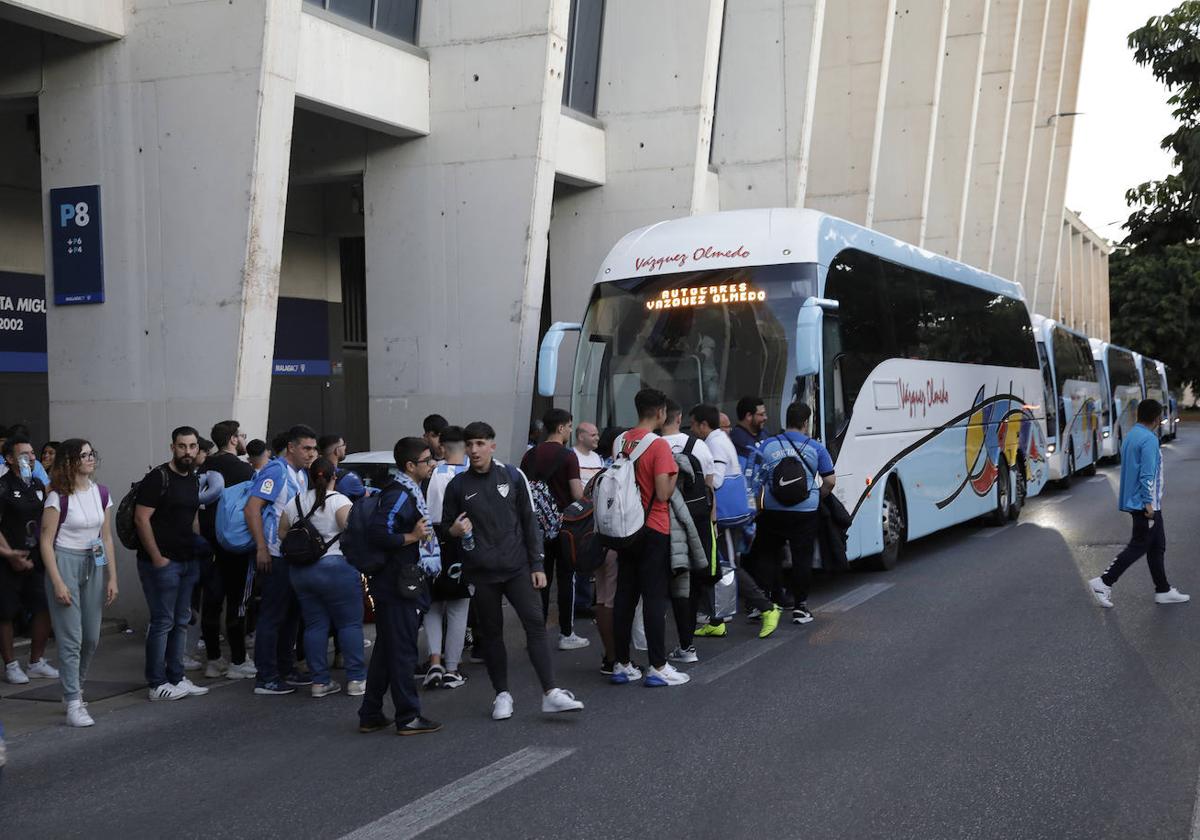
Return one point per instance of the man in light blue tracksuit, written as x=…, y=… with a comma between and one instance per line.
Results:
x=1141, y=497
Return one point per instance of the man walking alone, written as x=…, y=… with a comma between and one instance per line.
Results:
x=1141, y=497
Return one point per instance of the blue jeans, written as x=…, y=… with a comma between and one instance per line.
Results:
x=278, y=624
x=330, y=592
x=169, y=596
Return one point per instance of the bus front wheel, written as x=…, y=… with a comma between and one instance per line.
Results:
x=1090, y=469
x=893, y=527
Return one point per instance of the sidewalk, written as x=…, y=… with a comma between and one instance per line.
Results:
x=115, y=680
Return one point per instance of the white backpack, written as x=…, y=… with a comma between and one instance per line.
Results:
x=618, y=509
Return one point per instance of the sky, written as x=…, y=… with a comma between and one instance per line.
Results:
x=1125, y=116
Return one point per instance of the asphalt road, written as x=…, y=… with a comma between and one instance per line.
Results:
x=975, y=691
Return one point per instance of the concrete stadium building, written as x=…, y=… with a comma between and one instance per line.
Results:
x=353, y=213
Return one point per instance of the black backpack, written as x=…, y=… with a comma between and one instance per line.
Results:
x=695, y=491
x=303, y=545
x=356, y=542
x=789, y=477
x=577, y=537
x=126, y=527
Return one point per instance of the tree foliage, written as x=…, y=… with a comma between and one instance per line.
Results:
x=1155, y=277
x=1155, y=300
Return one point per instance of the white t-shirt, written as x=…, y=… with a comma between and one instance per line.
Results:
x=438, y=482
x=84, y=518
x=724, y=454
x=325, y=519
x=590, y=463
x=703, y=454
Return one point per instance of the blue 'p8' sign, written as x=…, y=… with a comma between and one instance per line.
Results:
x=78, y=245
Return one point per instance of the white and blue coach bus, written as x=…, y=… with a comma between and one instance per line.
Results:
x=1153, y=386
x=922, y=372
x=1116, y=366
x=1072, y=400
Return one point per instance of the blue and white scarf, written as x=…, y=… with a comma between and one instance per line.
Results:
x=430, y=552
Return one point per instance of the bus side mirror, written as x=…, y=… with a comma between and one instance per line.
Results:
x=808, y=335
x=548, y=356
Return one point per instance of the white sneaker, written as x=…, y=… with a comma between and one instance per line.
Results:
x=684, y=654
x=77, y=714
x=625, y=672
x=666, y=675
x=190, y=688
x=13, y=673
x=43, y=670
x=572, y=642
x=190, y=664
x=166, y=691
x=356, y=688
x=1101, y=591
x=560, y=700
x=216, y=668
x=1171, y=596
x=245, y=671
x=331, y=687
x=502, y=706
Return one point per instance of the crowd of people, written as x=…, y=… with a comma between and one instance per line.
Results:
x=271, y=550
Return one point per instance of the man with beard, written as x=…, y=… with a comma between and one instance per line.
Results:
x=168, y=499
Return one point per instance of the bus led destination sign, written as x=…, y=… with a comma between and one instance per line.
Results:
x=706, y=296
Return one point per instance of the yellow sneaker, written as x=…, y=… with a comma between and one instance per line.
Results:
x=770, y=620
x=715, y=631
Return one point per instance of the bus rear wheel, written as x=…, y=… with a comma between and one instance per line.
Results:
x=1020, y=492
x=1003, y=509
x=893, y=528
x=1064, y=483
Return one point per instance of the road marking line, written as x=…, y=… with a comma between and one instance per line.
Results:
x=722, y=666
x=1059, y=499
x=854, y=597
x=991, y=532
x=435, y=808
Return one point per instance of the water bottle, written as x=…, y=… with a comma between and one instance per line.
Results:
x=468, y=541
x=26, y=469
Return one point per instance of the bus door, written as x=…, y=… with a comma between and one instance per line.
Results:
x=1050, y=397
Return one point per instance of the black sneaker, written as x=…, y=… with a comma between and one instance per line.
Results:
x=433, y=677
x=606, y=667
x=418, y=726
x=801, y=615
x=367, y=725
x=453, y=679
x=298, y=678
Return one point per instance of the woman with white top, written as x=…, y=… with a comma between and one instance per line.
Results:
x=81, y=566
x=330, y=590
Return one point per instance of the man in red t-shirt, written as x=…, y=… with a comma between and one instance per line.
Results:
x=644, y=569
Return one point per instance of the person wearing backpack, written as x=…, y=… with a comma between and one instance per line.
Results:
x=275, y=485
x=792, y=472
x=329, y=589
x=168, y=501
x=489, y=509
x=553, y=472
x=399, y=529
x=81, y=566
x=644, y=560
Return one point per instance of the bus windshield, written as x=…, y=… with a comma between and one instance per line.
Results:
x=700, y=337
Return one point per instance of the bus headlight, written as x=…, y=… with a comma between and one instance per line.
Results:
x=1106, y=434
x=1051, y=448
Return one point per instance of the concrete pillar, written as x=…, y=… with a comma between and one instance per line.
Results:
x=1064, y=131
x=1078, y=277
x=856, y=48
x=1062, y=276
x=1105, y=327
x=766, y=93
x=656, y=103
x=958, y=110
x=456, y=224
x=900, y=189
x=1019, y=145
x=1042, y=158
x=990, y=137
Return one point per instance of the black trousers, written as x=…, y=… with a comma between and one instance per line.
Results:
x=489, y=633
x=224, y=586
x=558, y=565
x=1149, y=539
x=643, y=570
x=777, y=528
x=394, y=656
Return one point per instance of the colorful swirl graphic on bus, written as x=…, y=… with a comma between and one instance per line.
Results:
x=998, y=426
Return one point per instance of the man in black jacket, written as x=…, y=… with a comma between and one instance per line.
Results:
x=489, y=508
x=400, y=594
